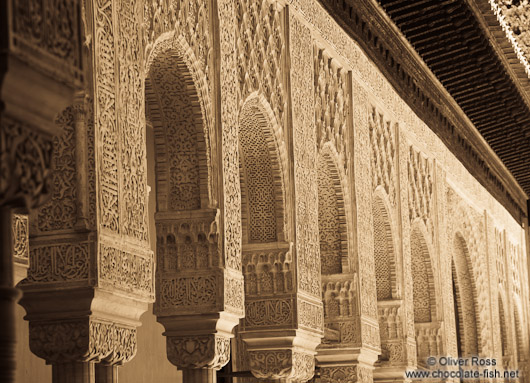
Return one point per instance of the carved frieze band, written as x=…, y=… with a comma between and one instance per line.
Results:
x=82, y=340
x=189, y=292
x=61, y=262
x=128, y=271
x=346, y=374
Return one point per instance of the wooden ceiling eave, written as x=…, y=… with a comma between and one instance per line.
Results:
x=368, y=23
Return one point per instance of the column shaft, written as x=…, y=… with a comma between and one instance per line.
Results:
x=73, y=372
x=202, y=375
x=106, y=373
x=8, y=299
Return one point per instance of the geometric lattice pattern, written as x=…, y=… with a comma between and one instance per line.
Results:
x=258, y=176
x=383, y=254
x=328, y=221
x=421, y=279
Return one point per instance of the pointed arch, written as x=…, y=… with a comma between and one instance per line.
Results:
x=176, y=108
x=504, y=330
x=384, y=253
x=332, y=219
x=423, y=286
x=263, y=195
x=519, y=335
x=465, y=294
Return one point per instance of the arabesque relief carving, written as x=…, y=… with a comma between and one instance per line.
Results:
x=300, y=205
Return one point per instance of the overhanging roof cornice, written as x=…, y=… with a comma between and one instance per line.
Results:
x=495, y=101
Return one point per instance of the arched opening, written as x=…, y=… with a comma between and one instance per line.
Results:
x=464, y=295
x=338, y=281
x=424, y=298
x=422, y=280
x=174, y=110
x=504, y=333
x=331, y=219
x=519, y=340
x=384, y=255
x=267, y=262
x=388, y=305
x=262, y=196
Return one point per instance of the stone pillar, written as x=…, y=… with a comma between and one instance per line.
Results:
x=199, y=293
x=283, y=321
x=37, y=80
x=198, y=300
x=91, y=272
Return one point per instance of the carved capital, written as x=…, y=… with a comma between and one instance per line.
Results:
x=345, y=374
x=209, y=351
x=282, y=364
x=81, y=341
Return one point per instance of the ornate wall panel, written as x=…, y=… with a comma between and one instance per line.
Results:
x=26, y=164
x=363, y=197
x=383, y=144
x=469, y=227
x=61, y=211
x=47, y=35
x=305, y=172
x=261, y=53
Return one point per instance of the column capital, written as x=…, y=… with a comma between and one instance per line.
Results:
x=192, y=352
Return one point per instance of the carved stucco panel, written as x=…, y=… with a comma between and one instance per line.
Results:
x=82, y=340
x=230, y=134
x=469, y=225
x=363, y=193
x=408, y=304
x=305, y=173
x=261, y=53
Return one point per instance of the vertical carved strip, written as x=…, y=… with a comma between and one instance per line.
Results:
x=131, y=128
x=105, y=111
x=229, y=135
x=408, y=309
x=363, y=193
x=305, y=174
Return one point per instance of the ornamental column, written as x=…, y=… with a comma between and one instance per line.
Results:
x=39, y=68
x=91, y=267
x=190, y=77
